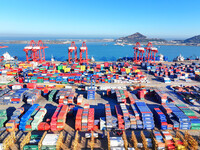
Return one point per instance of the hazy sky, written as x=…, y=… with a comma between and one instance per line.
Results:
x=100, y=18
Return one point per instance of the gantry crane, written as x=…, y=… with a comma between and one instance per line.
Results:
x=72, y=49
x=138, y=51
x=150, y=52
x=83, y=49
x=28, y=49
x=35, y=51
x=41, y=50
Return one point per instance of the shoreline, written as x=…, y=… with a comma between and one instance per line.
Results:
x=96, y=41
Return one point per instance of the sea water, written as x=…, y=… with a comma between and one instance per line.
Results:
x=103, y=52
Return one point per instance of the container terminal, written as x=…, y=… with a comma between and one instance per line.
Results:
x=141, y=104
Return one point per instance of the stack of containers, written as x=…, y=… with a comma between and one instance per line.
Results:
x=133, y=123
x=132, y=98
x=170, y=121
x=28, y=126
x=62, y=117
x=17, y=97
x=26, y=117
x=125, y=116
x=14, y=121
x=116, y=143
x=38, y=118
x=168, y=140
x=78, y=119
x=161, y=97
x=91, y=93
x=142, y=93
x=65, y=96
x=84, y=122
x=179, y=116
x=32, y=95
x=54, y=118
x=159, y=139
x=34, y=142
x=146, y=115
x=6, y=98
x=160, y=119
x=52, y=95
x=195, y=121
x=119, y=117
x=108, y=116
x=120, y=96
x=79, y=99
x=91, y=119
x=3, y=117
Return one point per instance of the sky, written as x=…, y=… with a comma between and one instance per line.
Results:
x=176, y=19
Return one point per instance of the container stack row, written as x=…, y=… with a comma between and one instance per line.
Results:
x=32, y=95
x=125, y=116
x=85, y=118
x=146, y=115
x=160, y=119
x=175, y=71
x=119, y=117
x=59, y=117
x=159, y=140
x=160, y=96
x=51, y=95
x=108, y=116
x=178, y=115
x=38, y=118
x=170, y=144
x=121, y=98
x=195, y=121
x=26, y=119
x=3, y=117
x=18, y=96
x=14, y=121
x=65, y=96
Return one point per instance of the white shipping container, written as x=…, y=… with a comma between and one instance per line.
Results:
x=117, y=148
x=16, y=87
x=116, y=142
x=1, y=146
x=50, y=139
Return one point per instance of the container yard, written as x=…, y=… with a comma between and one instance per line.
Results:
x=79, y=104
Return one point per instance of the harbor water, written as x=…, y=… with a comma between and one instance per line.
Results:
x=102, y=52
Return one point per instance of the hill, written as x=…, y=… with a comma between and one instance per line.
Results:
x=194, y=39
x=138, y=37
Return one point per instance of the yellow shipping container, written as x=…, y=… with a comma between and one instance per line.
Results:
x=7, y=65
x=60, y=86
x=64, y=67
x=137, y=70
x=67, y=69
x=197, y=72
x=128, y=70
x=82, y=67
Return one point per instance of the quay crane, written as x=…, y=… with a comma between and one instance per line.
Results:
x=138, y=50
x=72, y=49
x=28, y=49
x=150, y=52
x=83, y=49
x=41, y=50
x=35, y=52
